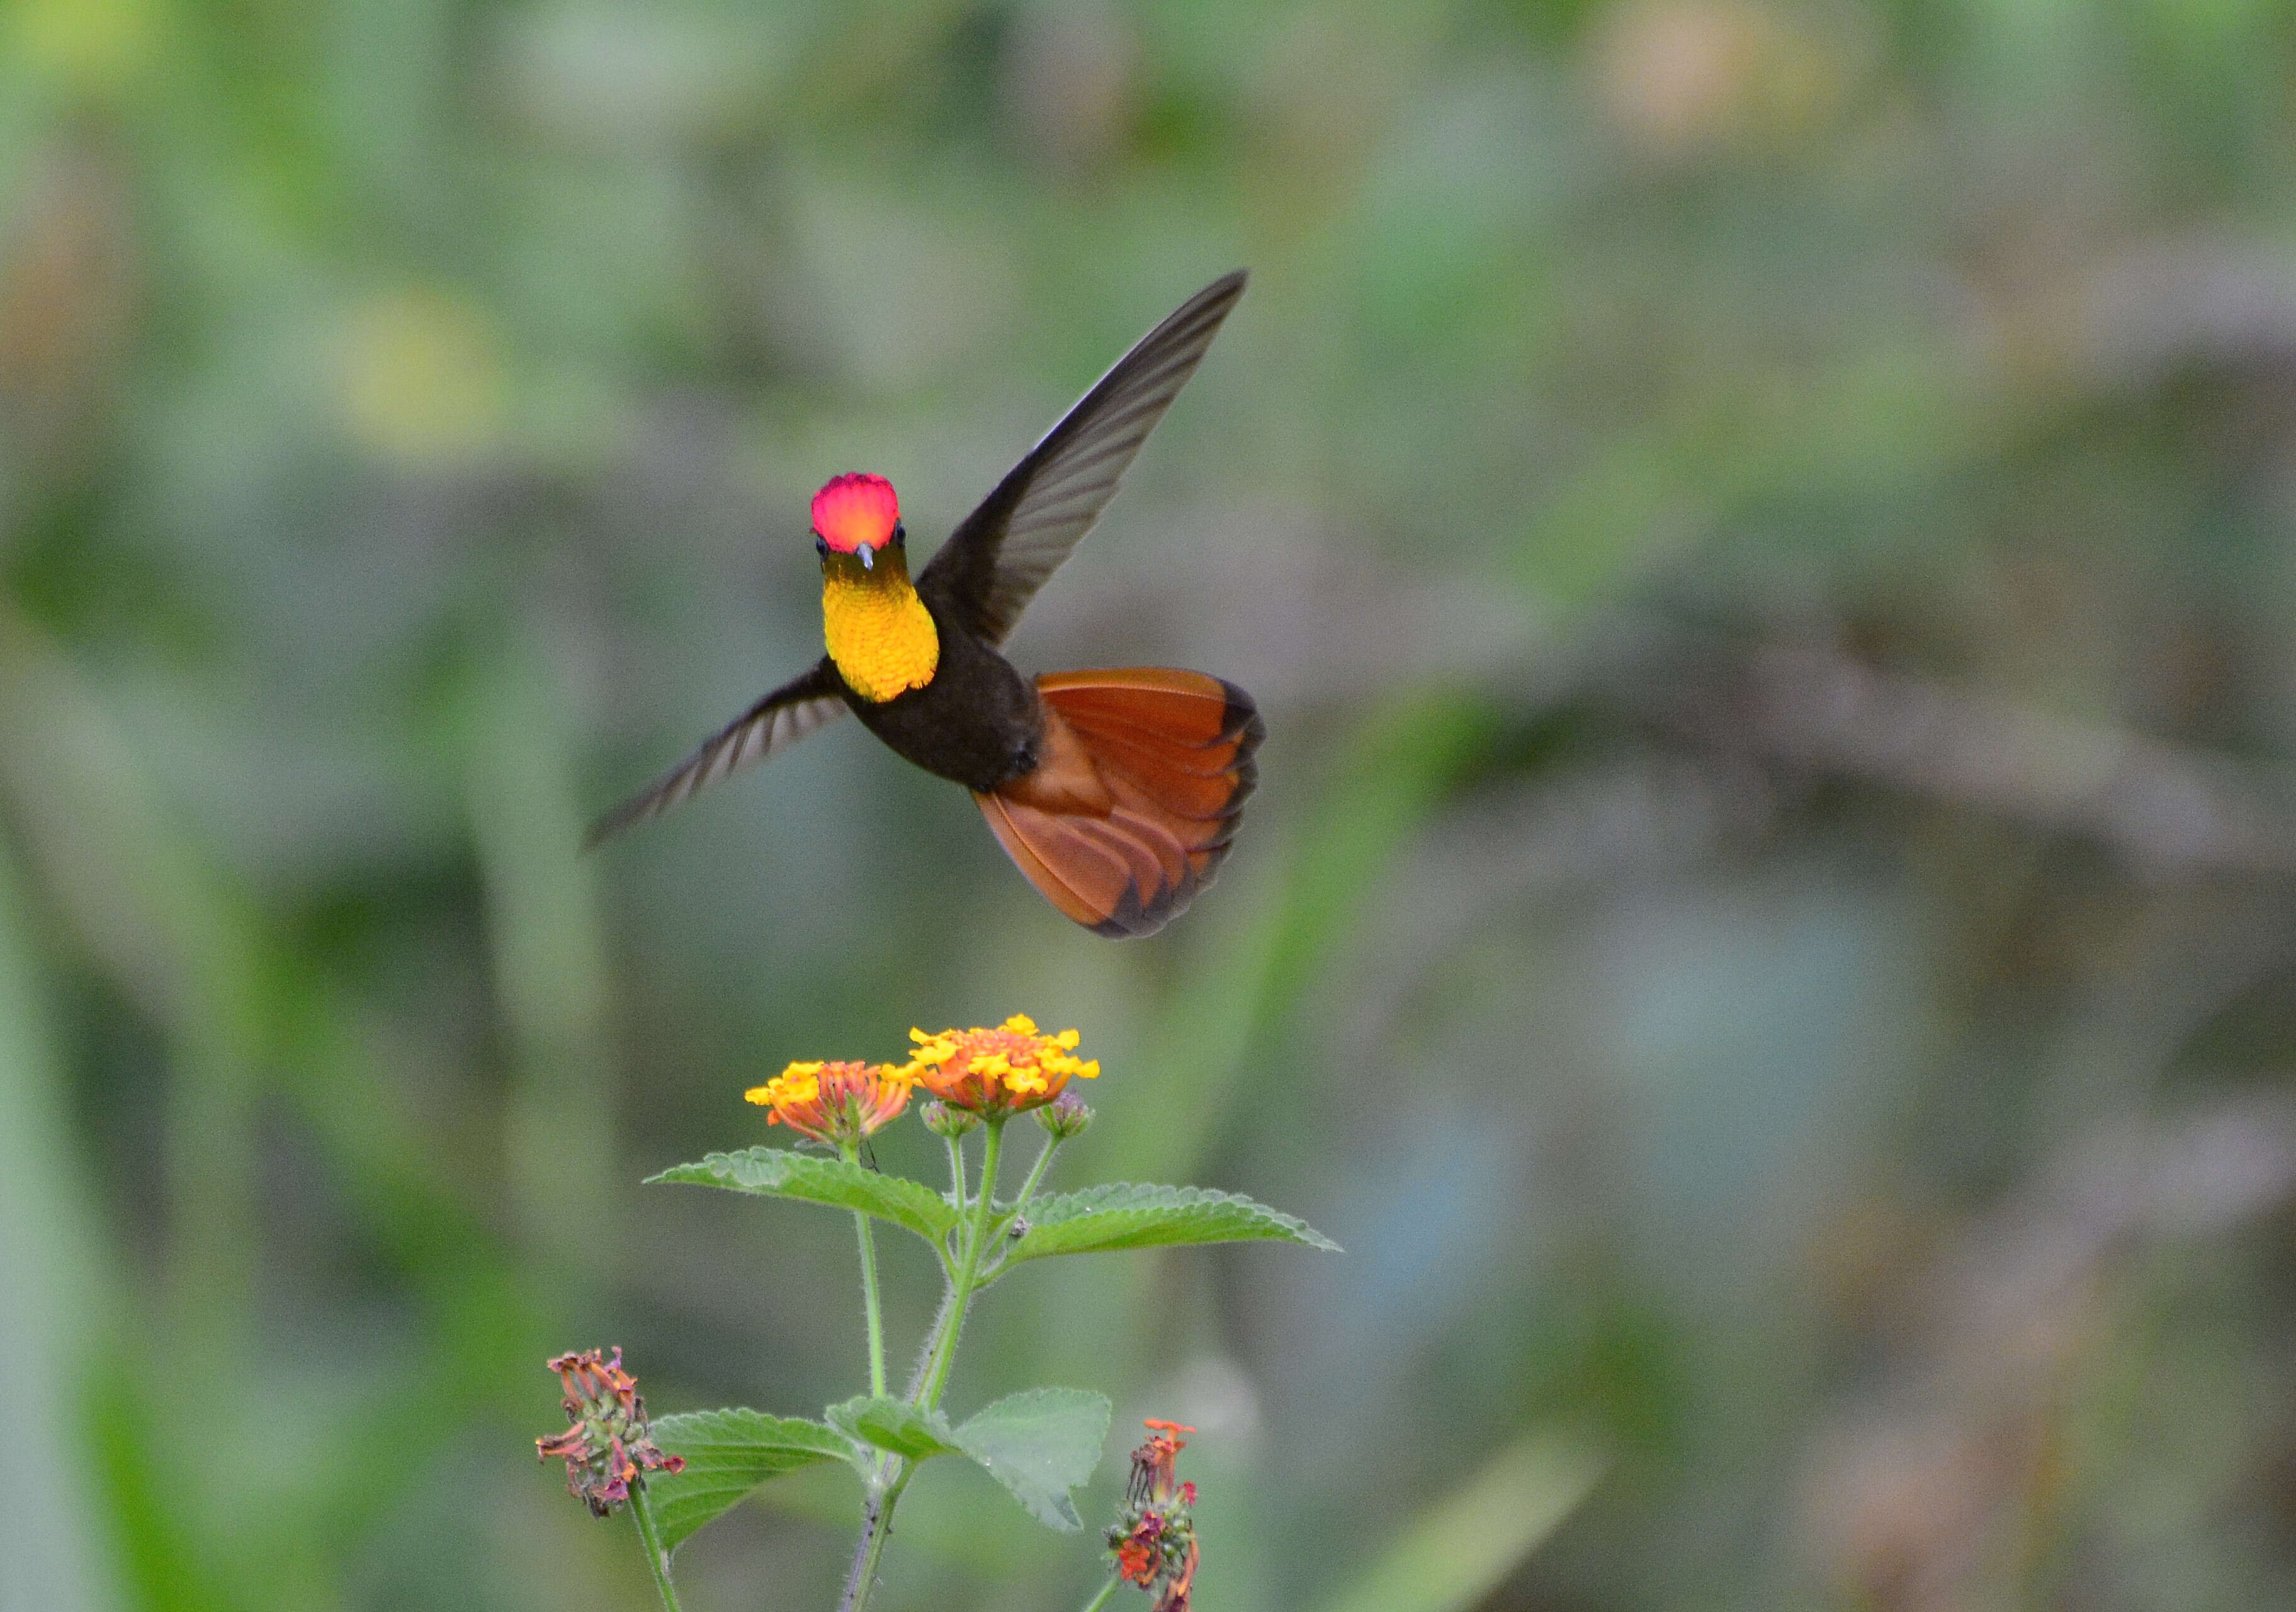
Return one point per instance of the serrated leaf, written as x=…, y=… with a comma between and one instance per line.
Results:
x=1121, y=1216
x=728, y=1454
x=772, y=1173
x=1040, y=1443
x=895, y=1425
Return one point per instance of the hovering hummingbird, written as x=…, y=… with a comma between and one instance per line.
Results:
x=1115, y=792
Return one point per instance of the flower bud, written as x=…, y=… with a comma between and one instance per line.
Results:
x=1064, y=1117
x=942, y=1120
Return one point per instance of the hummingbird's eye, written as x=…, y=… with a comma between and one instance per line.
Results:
x=900, y=531
x=820, y=546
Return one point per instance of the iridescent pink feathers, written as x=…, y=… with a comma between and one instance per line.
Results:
x=855, y=509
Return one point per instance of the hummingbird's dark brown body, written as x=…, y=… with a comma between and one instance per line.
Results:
x=1115, y=792
x=979, y=722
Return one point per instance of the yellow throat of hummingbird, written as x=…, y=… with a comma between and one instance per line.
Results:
x=879, y=632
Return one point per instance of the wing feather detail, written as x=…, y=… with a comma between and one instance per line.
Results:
x=766, y=728
x=1170, y=755
x=1005, y=551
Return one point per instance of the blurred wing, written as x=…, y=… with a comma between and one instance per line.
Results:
x=766, y=728
x=993, y=564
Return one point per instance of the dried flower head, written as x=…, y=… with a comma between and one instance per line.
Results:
x=1154, y=1541
x=608, y=1447
x=1001, y=1071
x=836, y=1103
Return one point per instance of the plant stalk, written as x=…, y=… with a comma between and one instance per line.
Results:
x=877, y=1515
x=995, y=1267
x=1035, y=1172
x=876, y=1526
x=657, y=1559
x=869, y=1302
x=967, y=1271
x=1106, y=1590
x=957, y=1169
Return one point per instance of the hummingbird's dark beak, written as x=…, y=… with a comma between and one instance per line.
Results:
x=868, y=556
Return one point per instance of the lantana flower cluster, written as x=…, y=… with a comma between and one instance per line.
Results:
x=989, y=1073
x=1155, y=1541
x=610, y=1446
x=1006, y=1071
x=838, y=1103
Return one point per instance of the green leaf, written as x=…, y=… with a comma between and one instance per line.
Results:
x=772, y=1173
x=1040, y=1443
x=895, y=1425
x=1121, y=1216
x=728, y=1454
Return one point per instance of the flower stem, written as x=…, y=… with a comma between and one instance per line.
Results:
x=956, y=1171
x=657, y=1559
x=992, y=1269
x=869, y=1303
x=1106, y=1590
x=968, y=1268
x=876, y=1525
x=877, y=1514
x=1035, y=1172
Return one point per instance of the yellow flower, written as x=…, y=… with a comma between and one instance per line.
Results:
x=1004, y=1070
x=837, y=1103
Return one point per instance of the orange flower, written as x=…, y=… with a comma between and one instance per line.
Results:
x=1005, y=1070
x=1154, y=1481
x=837, y=1103
x=1136, y=1555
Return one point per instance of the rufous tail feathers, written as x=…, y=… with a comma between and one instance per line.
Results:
x=1129, y=813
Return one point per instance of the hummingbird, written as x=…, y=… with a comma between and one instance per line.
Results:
x=1115, y=792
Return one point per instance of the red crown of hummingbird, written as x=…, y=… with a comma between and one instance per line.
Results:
x=855, y=509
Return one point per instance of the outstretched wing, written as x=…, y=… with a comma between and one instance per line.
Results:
x=994, y=563
x=766, y=728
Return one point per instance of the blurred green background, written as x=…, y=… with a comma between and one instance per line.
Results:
x=1762, y=530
